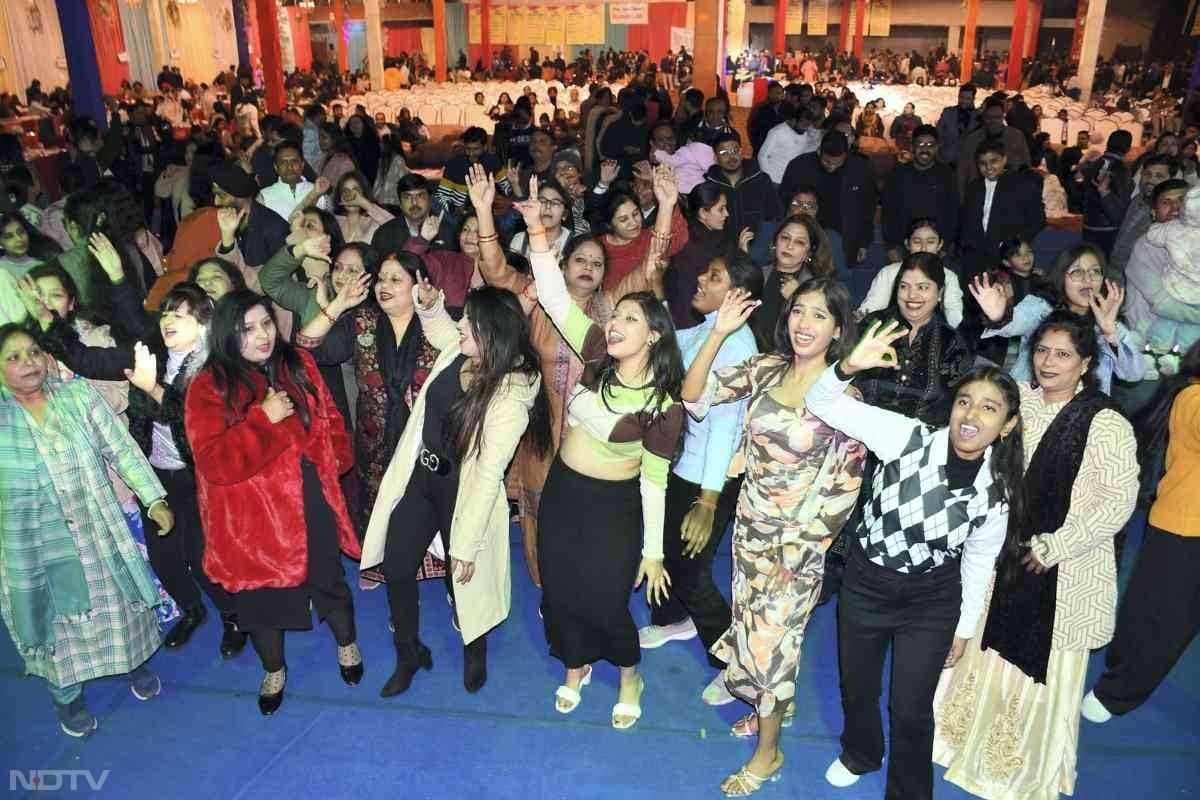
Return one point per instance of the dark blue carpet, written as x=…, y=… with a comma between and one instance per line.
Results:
x=203, y=737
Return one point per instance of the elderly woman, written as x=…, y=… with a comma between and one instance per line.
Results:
x=76, y=596
x=1008, y=713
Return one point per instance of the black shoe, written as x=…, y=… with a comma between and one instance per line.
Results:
x=475, y=665
x=182, y=632
x=351, y=673
x=233, y=641
x=269, y=702
x=409, y=658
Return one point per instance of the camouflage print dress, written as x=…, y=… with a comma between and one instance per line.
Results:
x=802, y=480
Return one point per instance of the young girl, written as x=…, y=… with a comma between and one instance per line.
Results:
x=921, y=558
x=269, y=445
x=923, y=237
x=358, y=215
x=448, y=474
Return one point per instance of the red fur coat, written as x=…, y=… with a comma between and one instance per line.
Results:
x=249, y=483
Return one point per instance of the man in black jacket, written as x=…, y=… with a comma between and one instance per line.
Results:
x=753, y=201
x=998, y=206
x=845, y=190
x=766, y=115
x=920, y=189
x=1105, y=189
x=260, y=232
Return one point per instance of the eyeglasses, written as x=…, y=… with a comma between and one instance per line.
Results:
x=550, y=202
x=925, y=144
x=729, y=151
x=805, y=205
x=1080, y=275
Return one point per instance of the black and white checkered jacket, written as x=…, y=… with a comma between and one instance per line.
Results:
x=914, y=522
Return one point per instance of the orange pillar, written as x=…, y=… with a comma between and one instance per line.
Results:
x=844, y=28
x=1035, y=25
x=1016, y=45
x=339, y=32
x=272, y=60
x=860, y=11
x=708, y=40
x=485, y=32
x=439, y=39
x=780, y=42
x=968, y=49
x=1081, y=13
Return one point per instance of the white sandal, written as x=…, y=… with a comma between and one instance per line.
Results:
x=631, y=710
x=569, y=695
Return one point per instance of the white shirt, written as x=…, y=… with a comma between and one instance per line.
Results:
x=989, y=191
x=783, y=143
x=283, y=199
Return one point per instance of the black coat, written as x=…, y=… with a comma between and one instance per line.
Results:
x=1017, y=210
x=854, y=215
x=752, y=202
x=912, y=194
x=265, y=233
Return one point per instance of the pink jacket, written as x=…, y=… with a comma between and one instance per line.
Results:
x=690, y=163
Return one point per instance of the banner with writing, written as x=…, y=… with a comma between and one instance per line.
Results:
x=818, y=17
x=585, y=24
x=516, y=25
x=795, y=18
x=474, y=25
x=879, y=21
x=535, y=26
x=556, y=26
x=628, y=14
x=683, y=37
x=499, y=24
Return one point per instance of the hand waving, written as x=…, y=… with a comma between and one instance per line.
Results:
x=430, y=227
x=990, y=296
x=106, y=255
x=666, y=187
x=144, y=374
x=531, y=207
x=427, y=294
x=228, y=220
x=609, y=170
x=481, y=187
x=1105, y=308
x=875, y=349
x=735, y=309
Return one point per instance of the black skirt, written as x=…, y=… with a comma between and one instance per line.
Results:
x=589, y=550
x=325, y=583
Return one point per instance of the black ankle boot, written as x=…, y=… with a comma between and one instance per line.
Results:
x=233, y=641
x=179, y=635
x=409, y=659
x=475, y=665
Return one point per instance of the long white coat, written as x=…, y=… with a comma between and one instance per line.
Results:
x=479, y=529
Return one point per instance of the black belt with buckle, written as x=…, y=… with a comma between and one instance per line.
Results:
x=437, y=464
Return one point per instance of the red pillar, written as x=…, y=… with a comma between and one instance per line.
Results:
x=844, y=28
x=1016, y=45
x=272, y=61
x=860, y=11
x=1080, y=22
x=780, y=42
x=1035, y=25
x=439, y=39
x=967, y=56
x=339, y=32
x=485, y=31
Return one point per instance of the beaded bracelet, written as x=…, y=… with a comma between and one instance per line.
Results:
x=327, y=315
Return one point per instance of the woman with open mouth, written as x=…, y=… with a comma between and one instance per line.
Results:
x=922, y=556
x=801, y=481
x=583, y=264
x=604, y=497
x=1055, y=596
x=1075, y=283
x=269, y=445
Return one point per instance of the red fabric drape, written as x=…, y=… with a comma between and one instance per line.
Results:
x=406, y=38
x=637, y=37
x=252, y=37
x=301, y=41
x=663, y=17
x=109, y=41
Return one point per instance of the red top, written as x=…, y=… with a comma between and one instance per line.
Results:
x=249, y=484
x=449, y=270
x=625, y=258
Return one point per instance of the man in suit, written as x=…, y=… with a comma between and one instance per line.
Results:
x=999, y=205
x=845, y=189
x=921, y=188
x=955, y=123
x=1016, y=150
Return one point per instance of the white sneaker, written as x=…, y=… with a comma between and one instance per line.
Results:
x=1093, y=710
x=717, y=693
x=838, y=775
x=653, y=636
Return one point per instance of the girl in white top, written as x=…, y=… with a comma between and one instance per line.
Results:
x=923, y=237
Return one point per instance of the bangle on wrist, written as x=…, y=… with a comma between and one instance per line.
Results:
x=709, y=504
x=491, y=237
x=327, y=315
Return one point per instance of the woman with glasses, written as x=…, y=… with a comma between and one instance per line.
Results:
x=557, y=218
x=1076, y=283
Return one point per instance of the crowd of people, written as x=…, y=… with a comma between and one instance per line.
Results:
x=275, y=346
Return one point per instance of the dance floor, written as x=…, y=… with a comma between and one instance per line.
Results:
x=203, y=737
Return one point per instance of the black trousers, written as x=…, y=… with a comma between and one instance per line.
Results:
x=426, y=508
x=916, y=615
x=1157, y=621
x=266, y=613
x=693, y=592
x=178, y=557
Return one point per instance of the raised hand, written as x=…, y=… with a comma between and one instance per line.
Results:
x=481, y=187
x=666, y=187
x=430, y=227
x=744, y=239
x=875, y=349
x=531, y=206
x=609, y=170
x=735, y=309
x=228, y=220
x=106, y=256
x=277, y=406
x=353, y=292
x=1106, y=307
x=427, y=293
x=322, y=186
x=144, y=374
x=990, y=296
x=317, y=247
x=31, y=298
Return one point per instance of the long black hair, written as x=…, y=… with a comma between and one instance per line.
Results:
x=664, y=365
x=1153, y=425
x=743, y=274
x=501, y=328
x=1053, y=288
x=837, y=299
x=1007, y=464
x=284, y=369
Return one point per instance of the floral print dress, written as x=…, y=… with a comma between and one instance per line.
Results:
x=802, y=478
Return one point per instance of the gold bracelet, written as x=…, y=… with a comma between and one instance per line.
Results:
x=490, y=237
